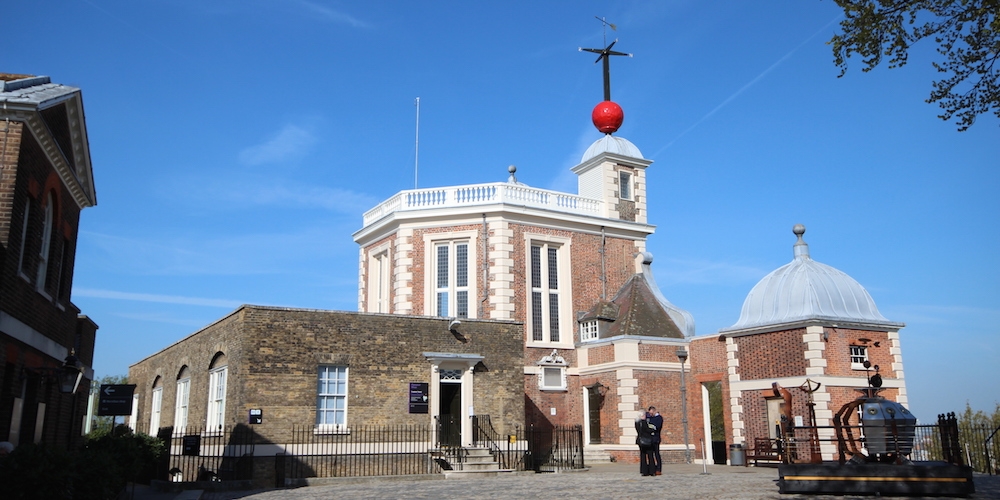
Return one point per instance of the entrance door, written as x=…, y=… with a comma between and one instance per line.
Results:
x=594, y=400
x=450, y=414
x=712, y=395
x=775, y=410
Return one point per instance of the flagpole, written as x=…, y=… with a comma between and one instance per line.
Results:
x=416, y=153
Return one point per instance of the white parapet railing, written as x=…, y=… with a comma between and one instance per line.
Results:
x=484, y=194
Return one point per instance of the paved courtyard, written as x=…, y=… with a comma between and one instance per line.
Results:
x=615, y=481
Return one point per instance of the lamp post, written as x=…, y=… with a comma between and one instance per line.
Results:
x=682, y=355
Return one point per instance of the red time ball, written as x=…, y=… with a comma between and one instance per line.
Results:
x=608, y=117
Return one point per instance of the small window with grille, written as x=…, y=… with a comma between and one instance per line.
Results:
x=859, y=354
x=588, y=330
x=625, y=185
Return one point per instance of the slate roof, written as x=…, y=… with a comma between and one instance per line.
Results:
x=640, y=309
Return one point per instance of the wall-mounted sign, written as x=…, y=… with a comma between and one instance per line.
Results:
x=419, y=397
x=256, y=416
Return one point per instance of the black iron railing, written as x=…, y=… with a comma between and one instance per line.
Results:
x=552, y=449
x=210, y=455
x=310, y=451
x=359, y=451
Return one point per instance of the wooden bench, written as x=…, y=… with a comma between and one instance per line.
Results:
x=764, y=449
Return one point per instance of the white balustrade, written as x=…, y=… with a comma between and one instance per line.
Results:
x=484, y=194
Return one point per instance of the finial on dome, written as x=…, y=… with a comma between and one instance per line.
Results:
x=647, y=257
x=801, y=248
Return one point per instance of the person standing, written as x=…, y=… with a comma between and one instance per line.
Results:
x=655, y=421
x=645, y=433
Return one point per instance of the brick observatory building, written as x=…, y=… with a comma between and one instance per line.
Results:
x=595, y=341
x=46, y=345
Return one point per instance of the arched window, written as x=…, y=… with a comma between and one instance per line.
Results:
x=217, y=373
x=156, y=407
x=25, y=222
x=43, y=251
x=183, y=399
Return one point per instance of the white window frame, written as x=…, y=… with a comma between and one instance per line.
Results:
x=156, y=408
x=43, y=252
x=379, y=279
x=563, y=291
x=335, y=427
x=40, y=423
x=216, y=416
x=552, y=372
x=431, y=290
x=859, y=353
x=133, y=418
x=626, y=189
x=589, y=330
x=182, y=403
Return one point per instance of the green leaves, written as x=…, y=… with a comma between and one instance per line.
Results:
x=968, y=35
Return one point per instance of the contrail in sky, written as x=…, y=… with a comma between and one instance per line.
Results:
x=745, y=87
x=160, y=299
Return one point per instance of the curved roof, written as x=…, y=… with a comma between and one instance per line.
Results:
x=612, y=144
x=806, y=290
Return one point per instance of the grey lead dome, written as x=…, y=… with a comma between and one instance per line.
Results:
x=612, y=144
x=808, y=291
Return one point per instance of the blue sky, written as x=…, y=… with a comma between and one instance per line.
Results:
x=236, y=144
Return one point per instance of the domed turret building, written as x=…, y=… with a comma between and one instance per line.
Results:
x=804, y=320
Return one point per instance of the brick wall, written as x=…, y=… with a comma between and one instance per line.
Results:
x=34, y=179
x=838, y=356
x=27, y=176
x=10, y=139
x=771, y=355
x=274, y=355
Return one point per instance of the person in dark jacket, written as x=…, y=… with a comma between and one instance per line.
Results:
x=645, y=434
x=656, y=421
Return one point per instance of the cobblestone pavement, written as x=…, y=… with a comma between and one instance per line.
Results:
x=615, y=481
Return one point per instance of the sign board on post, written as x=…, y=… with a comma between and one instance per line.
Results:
x=418, y=397
x=115, y=400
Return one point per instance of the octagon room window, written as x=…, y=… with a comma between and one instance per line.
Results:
x=547, y=291
x=451, y=279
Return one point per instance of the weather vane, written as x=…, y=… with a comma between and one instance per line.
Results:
x=606, y=54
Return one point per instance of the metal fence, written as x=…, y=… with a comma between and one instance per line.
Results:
x=537, y=448
x=210, y=455
x=364, y=451
x=228, y=454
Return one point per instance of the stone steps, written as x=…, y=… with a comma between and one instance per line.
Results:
x=478, y=462
x=592, y=456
